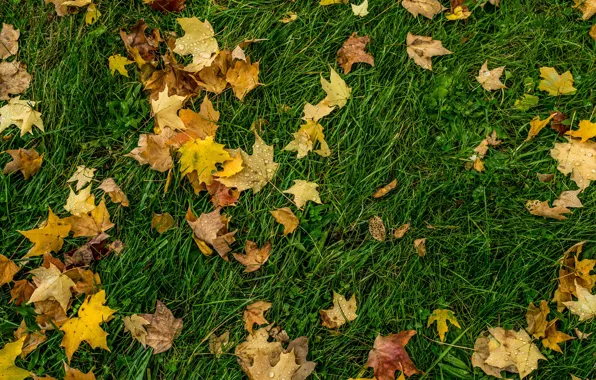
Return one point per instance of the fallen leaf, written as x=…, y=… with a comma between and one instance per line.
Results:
x=576, y=158
x=14, y=79
x=377, y=228
x=254, y=314
x=114, y=191
x=441, y=316
x=75, y=374
x=173, y=75
x=243, y=77
x=211, y=229
x=257, y=344
x=593, y=32
x=166, y=6
x=165, y=110
x=286, y=218
x=389, y=355
x=460, y=12
x=558, y=122
x=7, y=270
x=254, y=257
x=279, y=334
x=49, y=237
x=261, y=369
x=202, y=156
x=336, y=89
x=427, y=8
x=585, y=306
x=554, y=337
x=299, y=347
x=92, y=14
x=316, y=112
x=137, y=42
x=555, y=84
x=289, y=17
x=21, y=292
x=217, y=344
x=573, y=270
x=420, y=246
x=117, y=63
x=537, y=319
x=92, y=223
x=86, y=282
x=538, y=208
x=401, y=231
x=581, y=335
x=545, y=177
x=9, y=41
x=199, y=41
x=526, y=102
x=490, y=79
x=51, y=284
x=587, y=7
x=8, y=354
x=62, y=6
x=162, y=222
x=569, y=199
x=421, y=49
x=82, y=176
x=536, y=125
x=331, y=2
x=238, y=53
x=81, y=203
x=27, y=161
x=49, y=314
x=221, y=195
x=93, y=250
x=360, y=10
x=135, y=324
x=305, y=139
x=343, y=311
x=198, y=125
x=586, y=130
x=20, y=113
x=33, y=338
x=382, y=191
x=162, y=329
x=303, y=192
x=353, y=51
x=154, y=150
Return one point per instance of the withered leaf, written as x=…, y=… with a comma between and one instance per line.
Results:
x=33, y=338
x=254, y=257
x=286, y=217
x=9, y=41
x=162, y=328
x=114, y=191
x=27, y=161
x=538, y=208
x=343, y=310
x=162, y=222
x=420, y=246
x=21, y=292
x=221, y=195
x=382, y=191
x=154, y=150
x=243, y=77
x=389, y=355
x=210, y=230
x=254, y=314
x=139, y=43
x=353, y=51
x=377, y=228
x=135, y=324
x=217, y=344
x=7, y=270
x=14, y=79
x=421, y=49
x=166, y=6
x=401, y=231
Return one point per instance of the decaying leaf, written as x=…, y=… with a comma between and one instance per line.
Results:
x=441, y=316
x=198, y=125
x=577, y=158
x=7, y=270
x=221, y=195
x=458, y=11
x=92, y=14
x=490, y=79
x=536, y=317
x=47, y=238
x=426, y=8
x=569, y=199
x=254, y=256
x=353, y=51
x=262, y=368
x=401, y=231
x=336, y=89
x=62, y=6
x=20, y=113
x=8, y=354
x=316, y=112
x=162, y=329
x=559, y=122
x=382, y=191
x=33, y=338
x=27, y=161
x=289, y=17
x=93, y=250
x=135, y=324
x=555, y=84
x=75, y=374
x=118, y=63
x=9, y=41
x=587, y=7
x=217, y=344
x=257, y=343
x=166, y=6
x=21, y=292
x=162, y=222
x=554, y=337
x=139, y=45
x=286, y=218
x=421, y=49
x=243, y=77
x=377, y=228
x=420, y=246
x=573, y=270
x=526, y=102
x=545, y=177
x=254, y=314
x=581, y=335
x=82, y=176
x=49, y=314
x=538, y=208
x=211, y=230
x=306, y=137
x=154, y=150
x=51, y=284
x=536, y=125
x=343, y=311
x=92, y=223
x=585, y=306
x=303, y=192
x=199, y=41
x=360, y=10
x=389, y=355
x=114, y=191
x=14, y=79
x=586, y=130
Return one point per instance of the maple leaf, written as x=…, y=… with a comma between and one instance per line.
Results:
x=489, y=79
x=21, y=292
x=217, y=344
x=20, y=113
x=336, y=89
x=285, y=368
x=254, y=257
x=554, y=337
x=458, y=11
x=202, y=156
x=9, y=41
x=389, y=355
x=92, y=223
x=556, y=84
x=537, y=319
x=86, y=327
x=49, y=237
x=32, y=340
x=536, y=125
x=92, y=14
x=343, y=310
x=559, y=122
x=585, y=306
x=221, y=195
x=421, y=49
x=581, y=335
x=7, y=270
x=257, y=344
x=586, y=130
x=166, y=6
x=14, y=79
x=173, y=75
x=538, y=208
x=211, y=229
x=93, y=250
x=441, y=316
x=577, y=158
x=420, y=247
x=243, y=77
x=137, y=43
x=288, y=17
x=49, y=314
x=86, y=282
x=377, y=228
x=360, y=10
x=316, y=112
x=165, y=110
x=114, y=191
x=254, y=314
x=62, y=6
x=51, y=284
x=81, y=203
x=259, y=168
x=569, y=199
x=286, y=218
x=27, y=161
x=352, y=51
x=162, y=329
x=8, y=354
x=573, y=270
x=382, y=191
x=587, y=7
x=401, y=231
x=198, y=125
x=82, y=176
x=427, y=8
x=304, y=191
x=75, y=374
x=162, y=222
x=305, y=139
x=118, y=63
x=526, y=102
x=199, y=41
x=135, y=324
x=154, y=150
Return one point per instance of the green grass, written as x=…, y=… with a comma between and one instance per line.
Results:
x=487, y=258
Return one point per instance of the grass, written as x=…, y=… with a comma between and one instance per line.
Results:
x=487, y=257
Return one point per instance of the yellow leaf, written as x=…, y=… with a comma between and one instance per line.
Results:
x=49, y=237
x=360, y=10
x=577, y=158
x=92, y=14
x=51, y=284
x=586, y=130
x=243, y=77
x=8, y=370
x=7, y=270
x=22, y=114
x=336, y=89
x=75, y=374
x=459, y=13
x=305, y=139
x=81, y=203
x=556, y=84
x=304, y=191
x=587, y=7
x=331, y=2
x=286, y=218
x=198, y=40
x=93, y=223
x=536, y=125
x=441, y=316
x=117, y=62
x=233, y=166
x=421, y=49
x=289, y=17
x=202, y=156
x=585, y=306
x=343, y=311
x=86, y=327
x=165, y=109
x=27, y=161
x=82, y=176
x=554, y=337
x=162, y=222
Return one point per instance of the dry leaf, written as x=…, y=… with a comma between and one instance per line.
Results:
x=336, y=89
x=389, y=355
x=537, y=319
x=581, y=335
x=20, y=113
x=573, y=270
x=421, y=49
x=401, y=231
x=254, y=257
x=221, y=195
x=545, y=177
x=162, y=329
x=82, y=176
x=441, y=316
x=21, y=292
x=257, y=344
x=556, y=84
x=114, y=191
x=538, y=208
x=75, y=374
x=27, y=161
x=198, y=40
x=154, y=150
x=427, y=8
x=165, y=110
x=490, y=79
x=162, y=222
x=458, y=11
x=166, y=6
x=331, y=2
x=360, y=10
x=7, y=270
x=382, y=191
x=316, y=112
x=576, y=158
x=92, y=14
x=261, y=369
x=303, y=192
x=569, y=199
x=353, y=51
x=254, y=314
x=243, y=77
x=49, y=315
x=135, y=324
x=14, y=79
x=593, y=32
x=343, y=311
x=377, y=228
x=554, y=337
x=92, y=223
x=558, y=122
x=33, y=338
x=289, y=17
x=217, y=344
x=49, y=237
x=536, y=125
x=51, y=284
x=286, y=218
x=420, y=246
x=9, y=41
x=585, y=306
x=587, y=7
x=173, y=75
x=306, y=137
x=586, y=130
x=211, y=229
x=139, y=45
x=81, y=203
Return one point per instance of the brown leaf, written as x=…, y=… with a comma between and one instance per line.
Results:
x=557, y=124
x=343, y=311
x=211, y=229
x=49, y=314
x=545, y=177
x=401, y=231
x=92, y=223
x=254, y=314
x=221, y=195
x=217, y=344
x=573, y=270
x=14, y=79
x=255, y=257
x=537, y=319
x=162, y=329
x=166, y=6
x=154, y=150
x=427, y=8
x=568, y=199
x=136, y=326
x=49, y=260
x=377, y=228
x=86, y=282
x=162, y=222
x=421, y=49
x=490, y=79
x=279, y=335
x=381, y=192
x=178, y=81
x=284, y=368
x=75, y=374
x=94, y=249
x=114, y=191
x=33, y=338
x=581, y=335
x=286, y=218
x=136, y=41
x=257, y=344
x=9, y=41
x=300, y=348
x=538, y=208
x=352, y=51
x=7, y=270
x=198, y=125
x=420, y=246
x=243, y=77
x=21, y=292
x=389, y=355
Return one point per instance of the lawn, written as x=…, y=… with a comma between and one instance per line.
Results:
x=487, y=257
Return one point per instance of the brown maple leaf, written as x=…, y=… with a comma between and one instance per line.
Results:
x=9, y=41
x=255, y=257
x=254, y=314
x=243, y=77
x=166, y=6
x=154, y=150
x=14, y=79
x=178, y=81
x=557, y=122
x=7, y=270
x=95, y=249
x=389, y=355
x=352, y=51
x=162, y=329
x=210, y=230
x=221, y=195
x=139, y=44
x=21, y=292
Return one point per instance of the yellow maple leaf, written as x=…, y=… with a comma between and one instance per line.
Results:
x=165, y=109
x=556, y=84
x=577, y=158
x=8, y=370
x=536, y=125
x=86, y=327
x=243, y=77
x=305, y=139
x=441, y=316
x=51, y=283
x=92, y=223
x=199, y=41
x=337, y=91
x=81, y=203
x=343, y=310
x=331, y=2
x=585, y=306
x=117, y=62
x=586, y=130
x=202, y=155
x=92, y=15
x=459, y=13
x=22, y=114
x=587, y=7
x=304, y=191
x=49, y=237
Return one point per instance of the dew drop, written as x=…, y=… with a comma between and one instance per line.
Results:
x=271, y=374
